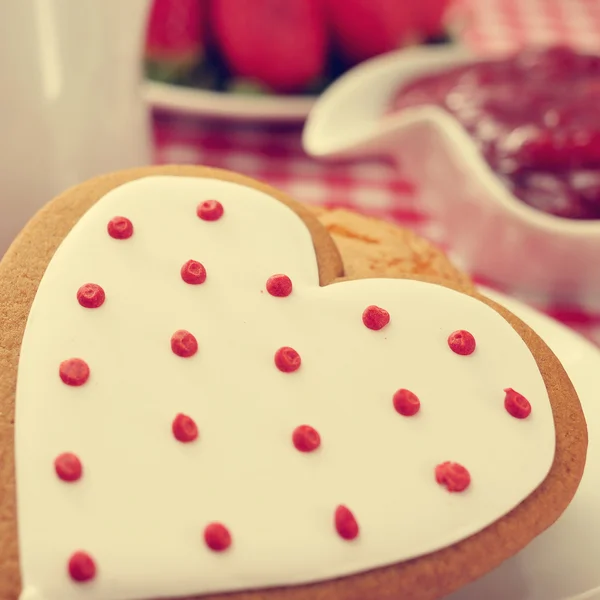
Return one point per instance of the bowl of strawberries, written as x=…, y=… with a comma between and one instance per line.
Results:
x=269, y=59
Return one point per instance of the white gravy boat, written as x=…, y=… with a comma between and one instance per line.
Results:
x=491, y=233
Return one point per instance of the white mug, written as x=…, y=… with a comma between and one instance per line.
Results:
x=70, y=102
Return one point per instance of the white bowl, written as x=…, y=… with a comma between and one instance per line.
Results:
x=491, y=233
x=179, y=99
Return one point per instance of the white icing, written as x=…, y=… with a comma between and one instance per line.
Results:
x=144, y=499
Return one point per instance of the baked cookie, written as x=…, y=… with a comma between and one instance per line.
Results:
x=207, y=407
x=373, y=248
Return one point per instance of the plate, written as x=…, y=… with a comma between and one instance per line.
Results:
x=261, y=108
x=234, y=107
x=562, y=563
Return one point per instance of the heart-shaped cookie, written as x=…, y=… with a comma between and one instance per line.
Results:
x=204, y=405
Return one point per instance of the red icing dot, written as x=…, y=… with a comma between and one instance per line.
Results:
x=406, y=403
x=287, y=359
x=193, y=272
x=306, y=438
x=279, y=285
x=452, y=475
x=375, y=317
x=345, y=523
x=517, y=405
x=210, y=210
x=184, y=428
x=82, y=567
x=68, y=467
x=217, y=537
x=120, y=228
x=184, y=344
x=462, y=342
x=90, y=295
x=74, y=371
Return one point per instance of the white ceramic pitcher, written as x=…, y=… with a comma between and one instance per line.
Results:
x=70, y=99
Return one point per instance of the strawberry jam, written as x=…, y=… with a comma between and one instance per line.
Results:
x=535, y=117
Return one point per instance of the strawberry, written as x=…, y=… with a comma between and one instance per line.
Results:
x=175, y=38
x=362, y=29
x=281, y=44
x=429, y=15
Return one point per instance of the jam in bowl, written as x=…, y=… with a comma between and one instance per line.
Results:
x=535, y=118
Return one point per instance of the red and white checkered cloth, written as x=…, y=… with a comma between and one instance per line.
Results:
x=274, y=153
x=505, y=25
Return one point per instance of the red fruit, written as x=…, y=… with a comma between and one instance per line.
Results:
x=428, y=16
x=365, y=28
x=175, y=34
x=279, y=43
